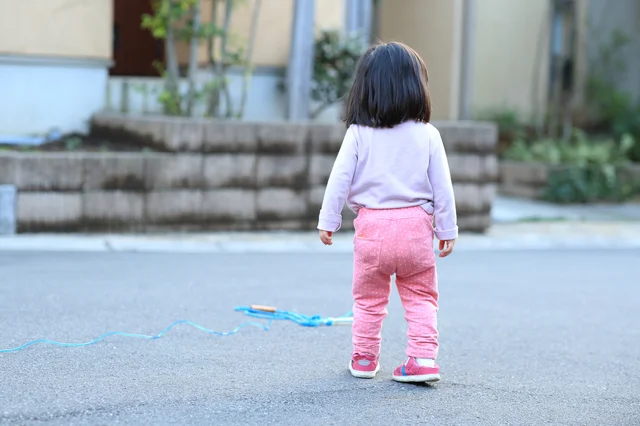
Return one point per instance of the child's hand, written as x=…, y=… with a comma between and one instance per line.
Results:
x=446, y=247
x=326, y=237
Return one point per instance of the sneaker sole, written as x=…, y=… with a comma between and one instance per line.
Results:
x=424, y=378
x=364, y=374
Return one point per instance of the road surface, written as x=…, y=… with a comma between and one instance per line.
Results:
x=527, y=338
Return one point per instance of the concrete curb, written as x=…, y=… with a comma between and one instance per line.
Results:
x=8, y=222
x=542, y=236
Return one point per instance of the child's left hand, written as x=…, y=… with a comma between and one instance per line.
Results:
x=326, y=237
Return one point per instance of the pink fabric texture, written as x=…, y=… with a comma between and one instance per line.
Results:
x=387, y=242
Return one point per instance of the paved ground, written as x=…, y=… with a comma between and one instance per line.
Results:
x=528, y=338
x=518, y=224
x=507, y=236
x=509, y=209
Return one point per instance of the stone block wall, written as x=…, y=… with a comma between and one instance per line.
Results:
x=523, y=180
x=216, y=176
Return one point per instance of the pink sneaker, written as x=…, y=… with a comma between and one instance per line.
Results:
x=364, y=366
x=412, y=372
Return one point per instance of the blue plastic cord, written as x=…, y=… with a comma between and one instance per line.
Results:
x=303, y=320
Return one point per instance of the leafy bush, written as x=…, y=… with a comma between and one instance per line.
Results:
x=579, y=150
x=508, y=121
x=510, y=126
x=588, y=169
x=615, y=110
x=588, y=184
x=335, y=60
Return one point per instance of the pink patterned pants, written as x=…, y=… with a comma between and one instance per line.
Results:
x=387, y=242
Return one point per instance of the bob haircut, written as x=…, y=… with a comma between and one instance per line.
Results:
x=390, y=87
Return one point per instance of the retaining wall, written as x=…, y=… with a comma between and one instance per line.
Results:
x=216, y=175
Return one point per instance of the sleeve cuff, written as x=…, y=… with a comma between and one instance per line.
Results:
x=330, y=222
x=450, y=234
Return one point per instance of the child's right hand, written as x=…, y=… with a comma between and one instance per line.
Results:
x=326, y=237
x=446, y=247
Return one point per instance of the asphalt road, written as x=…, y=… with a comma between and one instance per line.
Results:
x=527, y=338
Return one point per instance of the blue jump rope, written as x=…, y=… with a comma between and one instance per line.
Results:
x=257, y=311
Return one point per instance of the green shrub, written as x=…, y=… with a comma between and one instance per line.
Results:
x=588, y=184
x=615, y=110
x=510, y=125
x=588, y=170
x=579, y=150
x=335, y=60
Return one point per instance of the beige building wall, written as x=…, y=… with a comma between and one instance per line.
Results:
x=274, y=28
x=433, y=29
x=59, y=28
x=511, y=61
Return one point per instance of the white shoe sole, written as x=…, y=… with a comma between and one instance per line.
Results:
x=364, y=374
x=424, y=378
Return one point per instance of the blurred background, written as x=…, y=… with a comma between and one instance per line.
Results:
x=145, y=115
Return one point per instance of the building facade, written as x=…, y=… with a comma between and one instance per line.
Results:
x=54, y=62
x=62, y=60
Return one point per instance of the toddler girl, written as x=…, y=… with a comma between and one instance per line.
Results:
x=392, y=171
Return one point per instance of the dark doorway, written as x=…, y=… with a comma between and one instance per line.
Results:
x=134, y=49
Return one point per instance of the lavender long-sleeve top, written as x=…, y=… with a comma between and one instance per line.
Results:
x=404, y=166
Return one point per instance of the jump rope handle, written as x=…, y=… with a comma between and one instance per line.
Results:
x=341, y=321
x=263, y=308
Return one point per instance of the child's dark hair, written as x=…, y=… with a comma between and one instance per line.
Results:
x=390, y=87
